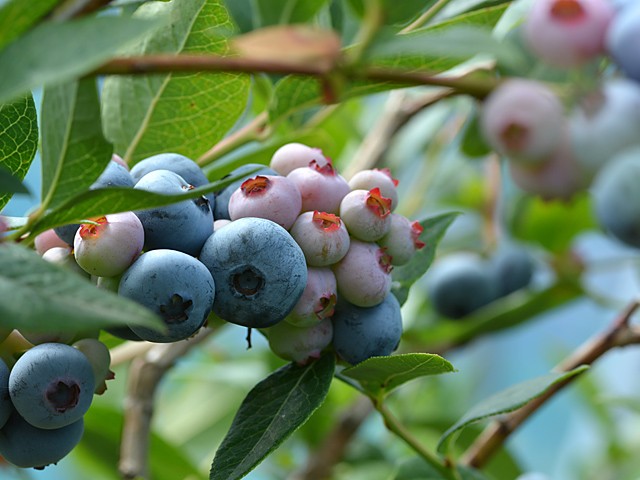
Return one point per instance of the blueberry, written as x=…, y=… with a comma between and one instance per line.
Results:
x=318, y=300
x=182, y=226
x=321, y=187
x=114, y=175
x=513, y=269
x=364, y=332
x=366, y=214
x=295, y=155
x=322, y=236
x=376, y=178
x=6, y=407
x=221, y=208
x=299, y=344
x=623, y=40
x=402, y=240
x=67, y=233
x=459, y=284
x=27, y=446
x=52, y=385
x=100, y=359
x=259, y=271
x=48, y=239
x=183, y=166
x=174, y=285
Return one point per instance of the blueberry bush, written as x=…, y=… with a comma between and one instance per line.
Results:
x=270, y=234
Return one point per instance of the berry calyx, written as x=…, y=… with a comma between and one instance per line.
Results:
x=326, y=221
x=378, y=204
x=255, y=186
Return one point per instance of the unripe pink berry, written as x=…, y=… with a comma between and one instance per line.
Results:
x=64, y=257
x=48, y=239
x=377, y=178
x=322, y=236
x=402, y=240
x=271, y=197
x=321, y=187
x=295, y=155
x=299, y=344
x=318, y=299
x=366, y=214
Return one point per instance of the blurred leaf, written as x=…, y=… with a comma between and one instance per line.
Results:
x=270, y=413
x=185, y=113
x=406, y=275
x=394, y=11
x=473, y=143
x=52, y=53
x=384, y=374
x=507, y=401
x=272, y=12
x=40, y=296
x=18, y=144
x=74, y=150
x=417, y=469
x=16, y=16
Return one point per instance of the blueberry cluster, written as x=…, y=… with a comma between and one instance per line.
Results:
x=560, y=142
x=462, y=282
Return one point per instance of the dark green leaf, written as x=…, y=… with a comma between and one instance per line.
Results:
x=18, y=143
x=405, y=276
x=10, y=183
x=278, y=12
x=384, y=374
x=417, y=469
x=74, y=150
x=394, y=11
x=16, y=16
x=183, y=113
x=507, y=401
x=52, y=52
x=40, y=296
x=473, y=143
x=270, y=413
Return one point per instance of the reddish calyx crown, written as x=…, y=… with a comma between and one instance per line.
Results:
x=326, y=306
x=416, y=231
x=326, y=221
x=568, y=11
x=255, y=186
x=93, y=229
x=326, y=169
x=515, y=136
x=384, y=260
x=387, y=172
x=380, y=205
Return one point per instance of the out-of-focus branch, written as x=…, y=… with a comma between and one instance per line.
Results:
x=145, y=374
x=619, y=334
x=77, y=8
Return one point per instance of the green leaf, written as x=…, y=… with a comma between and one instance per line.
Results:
x=473, y=143
x=9, y=183
x=406, y=275
x=74, y=150
x=52, y=52
x=16, y=16
x=40, y=296
x=279, y=12
x=417, y=469
x=18, y=141
x=183, y=113
x=394, y=11
x=384, y=374
x=507, y=401
x=270, y=413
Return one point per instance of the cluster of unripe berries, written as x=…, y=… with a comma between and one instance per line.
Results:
x=561, y=144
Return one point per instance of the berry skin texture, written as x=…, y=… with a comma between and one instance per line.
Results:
x=48, y=239
x=364, y=274
x=272, y=197
x=52, y=385
x=614, y=190
x=321, y=187
x=623, y=40
x=259, y=272
x=366, y=214
x=522, y=119
x=26, y=446
x=6, y=407
x=175, y=286
x=376, y=178
x=182, y=226
x=402, y=240
x=322, y=236
x=114, y=175
x=295, y=155
x=362, y=333
x=100, y=359
x=299, y=344
x=318, y=300
x=459, y=284
x=221, y=208
x=110, y=247
x=568, y=33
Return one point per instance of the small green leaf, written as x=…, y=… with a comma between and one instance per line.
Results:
x=18, y=143
x=40, y=296
x=270, y=413
x=184, y=113
x=507, y=401
x=10, y=183
x=52, y=53
x=406, y=275
x=16, y=16
x=473, y=143
x=384, y=374
x=395, y=12
x=74, y=150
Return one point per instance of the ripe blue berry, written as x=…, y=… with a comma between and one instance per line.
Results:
x=513, y=269
x=6, y=407
x=623, y=40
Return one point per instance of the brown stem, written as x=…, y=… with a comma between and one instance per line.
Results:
x=145, y=374
x=619, y=334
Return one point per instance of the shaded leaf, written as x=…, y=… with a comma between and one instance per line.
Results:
x=51, y=52
x=384, y=374
x=40, y=296
x=394, y=11
x=18, y=143
x=184, y=113
x=473, y=142
x=507, y=401
x=74, y=150
x=16, y=16
x=270, y=413
x=9, y=183
x=272, y=12
x=406, y=275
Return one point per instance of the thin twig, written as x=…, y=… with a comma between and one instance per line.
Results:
x=426, y=17
x=145, y=374
x=619, y=334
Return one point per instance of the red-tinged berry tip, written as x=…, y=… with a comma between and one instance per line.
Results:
x=416, y=231
x=567, y=11
x=387, y=172
x=515, y=136
x=327, y=221
x=327, y=306
x=93, y=229
x=326, y=169
x=255, y=186
x=380, y=205
x=384, y=260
